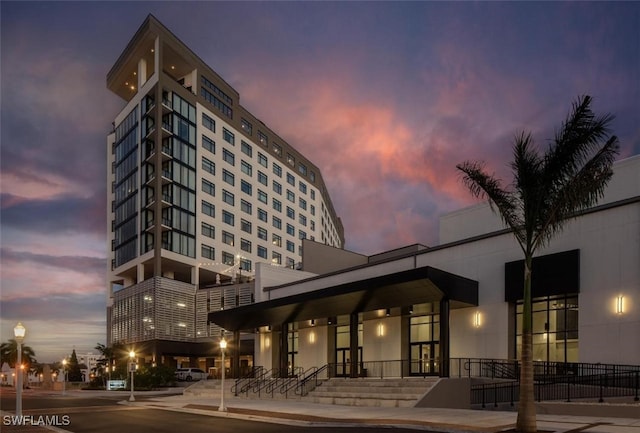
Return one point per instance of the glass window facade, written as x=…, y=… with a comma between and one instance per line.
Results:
x=555, y=328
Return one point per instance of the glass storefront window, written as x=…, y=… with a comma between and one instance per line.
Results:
x=555, y=328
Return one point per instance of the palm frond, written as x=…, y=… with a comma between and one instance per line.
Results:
x=526, y=168
x=485, y=186
x=580, y=192
x=581, y=134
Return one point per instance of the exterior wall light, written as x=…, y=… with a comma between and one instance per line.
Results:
x=620, y=304
x=477, y=319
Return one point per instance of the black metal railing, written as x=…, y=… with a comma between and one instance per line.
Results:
x=398, y=368
x=601, y=387
x=283, y=381
x=552, y=380
x=542, y=370
x=259, y=385
x=311, y=380
x=243, y=384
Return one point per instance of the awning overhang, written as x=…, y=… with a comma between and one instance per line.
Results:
x=401, y=289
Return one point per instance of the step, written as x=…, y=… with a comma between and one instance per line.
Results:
x=372, y=392
x=362, y=402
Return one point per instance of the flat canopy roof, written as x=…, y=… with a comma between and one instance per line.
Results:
x=401, y=289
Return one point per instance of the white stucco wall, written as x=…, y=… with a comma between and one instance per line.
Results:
x=609, y=244
x=263, y=345
x=271, y=276
x=312, y=347
x=382, y=339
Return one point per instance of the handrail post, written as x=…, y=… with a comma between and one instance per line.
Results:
x=495, y=395
x=483, y=387
x=568, y=389
x=601, y=400
x=637, y=385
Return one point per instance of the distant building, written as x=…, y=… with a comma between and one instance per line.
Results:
x=425, y=310
x=200, y=192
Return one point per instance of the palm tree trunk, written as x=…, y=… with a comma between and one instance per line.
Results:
x=526, y=422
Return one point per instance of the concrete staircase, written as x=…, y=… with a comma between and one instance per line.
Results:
x=208, y=389
x=212, y=389
x=372, y=392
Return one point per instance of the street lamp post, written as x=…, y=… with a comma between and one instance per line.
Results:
x=64, y=376
x=18, y=332
x=132, y=367
x=223, y=346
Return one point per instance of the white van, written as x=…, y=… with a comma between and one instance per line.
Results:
x=190, y=374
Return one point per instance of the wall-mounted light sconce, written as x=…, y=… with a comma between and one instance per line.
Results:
x=380, y=330
x=620, y=304
x=477, y=319
x=410, y=309
x=388, y=312
x=313, y=322
x=268, y=328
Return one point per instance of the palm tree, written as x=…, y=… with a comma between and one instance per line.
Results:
x=109, y=354
x=9, y=353
x=547, y=191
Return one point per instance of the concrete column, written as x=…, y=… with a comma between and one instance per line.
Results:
x=195, y=276
x=235, y=355
x=156, y=55
x=142, y=72
x=444, y=338
x=140, y=271
x=284, y=350
x=353, y=344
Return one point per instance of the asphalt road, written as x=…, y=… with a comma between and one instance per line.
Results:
x=103, y=415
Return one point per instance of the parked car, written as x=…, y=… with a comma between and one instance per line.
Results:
x=190, y=374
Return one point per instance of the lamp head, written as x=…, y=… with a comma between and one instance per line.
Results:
x=132, y=354
x=223, y=343
x=19, y=331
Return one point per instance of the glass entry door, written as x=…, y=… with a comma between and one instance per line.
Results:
x=343, y=363
x=424, y=340
x=424, y=358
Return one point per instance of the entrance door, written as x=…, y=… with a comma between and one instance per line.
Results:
x=343, y=363
x=424, y=358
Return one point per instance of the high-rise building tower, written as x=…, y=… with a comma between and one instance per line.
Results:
x=200, y=190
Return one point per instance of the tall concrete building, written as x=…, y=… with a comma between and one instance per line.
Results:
x=200, y=191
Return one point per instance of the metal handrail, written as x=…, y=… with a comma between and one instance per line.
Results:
x=301, y=387
x=283, y=382
x=264, y=381
x=294, y=382
x=600, y=386
x=241, y=382
x=543, y=370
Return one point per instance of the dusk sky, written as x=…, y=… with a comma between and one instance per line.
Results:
x=385, y=98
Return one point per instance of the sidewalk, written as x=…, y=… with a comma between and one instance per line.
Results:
x=429, y=419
